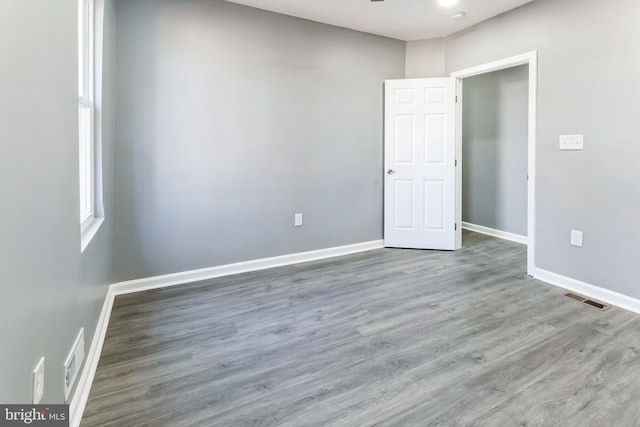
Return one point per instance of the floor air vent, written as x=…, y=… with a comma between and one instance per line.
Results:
x=591, y=303
x=575, y=297
x=596, y=304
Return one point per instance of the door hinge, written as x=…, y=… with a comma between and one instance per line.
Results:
x=455, y=227
x=456, y=163
x=456, y=99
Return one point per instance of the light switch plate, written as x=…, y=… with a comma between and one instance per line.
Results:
x=571, y=142
x=297, y=220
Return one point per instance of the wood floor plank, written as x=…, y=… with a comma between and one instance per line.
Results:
x=389, y=337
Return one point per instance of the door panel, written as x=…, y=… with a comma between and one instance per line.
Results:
x=403, y=212
x=405, y=137
x=434, y=141
x=420, y=163
x=434, y=191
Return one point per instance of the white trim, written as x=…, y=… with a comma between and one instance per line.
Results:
x=87, y=234
x=530, y=58
x=588, y=290
x=98, y=106
x=239, y=267
x=495, y=233
x=81, y=395
x=498, y=65
x=86, y=97
x=459, y=94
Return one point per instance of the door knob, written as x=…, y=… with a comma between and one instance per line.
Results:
x=390, y=172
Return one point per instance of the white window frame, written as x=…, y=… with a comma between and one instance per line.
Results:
x=90, y=221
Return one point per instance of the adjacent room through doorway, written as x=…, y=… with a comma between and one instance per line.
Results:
x=494, y=153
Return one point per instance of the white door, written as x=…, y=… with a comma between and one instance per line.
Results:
x=420, y=164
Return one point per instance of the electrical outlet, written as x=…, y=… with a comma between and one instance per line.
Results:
x=297, y=221
x=571, y=142
x=38, y=382
x=73, y=363
x=576, y=238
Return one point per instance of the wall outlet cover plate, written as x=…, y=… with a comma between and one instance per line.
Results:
x=576, y=238
x=72, y=364
x=38, y=381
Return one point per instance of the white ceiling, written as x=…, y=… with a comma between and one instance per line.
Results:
x=399, y=19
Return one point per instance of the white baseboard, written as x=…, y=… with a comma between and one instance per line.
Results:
x=495, y=233
x=239, y=267
x=81, y=395
x=588, y=290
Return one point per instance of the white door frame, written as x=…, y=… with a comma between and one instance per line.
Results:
x=530, y=58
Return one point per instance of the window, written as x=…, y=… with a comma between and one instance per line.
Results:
x=86, y=110
x=89, y=179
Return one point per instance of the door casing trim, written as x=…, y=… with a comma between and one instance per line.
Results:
x=530, y=59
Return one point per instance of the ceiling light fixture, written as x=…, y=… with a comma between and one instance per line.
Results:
x=447, y=3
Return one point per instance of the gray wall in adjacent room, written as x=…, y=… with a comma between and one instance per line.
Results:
x=229, y=121
x=494, y=150
x=49, y=289
x=587, y=84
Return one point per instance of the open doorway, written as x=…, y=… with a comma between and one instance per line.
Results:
x=494, y=153
x=423, y=135
x=505, y=210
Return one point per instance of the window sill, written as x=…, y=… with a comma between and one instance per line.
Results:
x=87, y=235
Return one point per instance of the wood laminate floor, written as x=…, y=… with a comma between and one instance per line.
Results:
x=389, y=337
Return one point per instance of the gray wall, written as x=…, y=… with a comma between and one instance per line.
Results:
x=425, y=58
x=588, y=83
x=229, y=121
x=49, y=290
x=494, y=150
